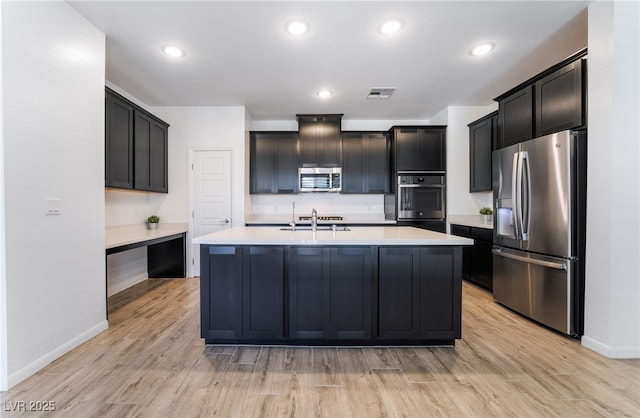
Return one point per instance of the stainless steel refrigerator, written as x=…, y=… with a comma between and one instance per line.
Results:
x=539, y=190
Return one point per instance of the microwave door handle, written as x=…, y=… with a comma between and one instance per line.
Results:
x=515, y=192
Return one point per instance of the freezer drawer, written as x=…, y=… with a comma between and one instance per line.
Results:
x=538, y=287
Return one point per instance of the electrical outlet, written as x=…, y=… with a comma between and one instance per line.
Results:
x=52, y=206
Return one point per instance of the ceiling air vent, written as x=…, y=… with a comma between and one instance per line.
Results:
x=381, y=93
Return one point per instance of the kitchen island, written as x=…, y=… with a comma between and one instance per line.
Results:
x=366, y=285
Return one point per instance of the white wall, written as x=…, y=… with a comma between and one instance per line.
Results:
x=53, y=80
x=210, y=128
x=612, y=300
x=459, y=200
x=4, y=385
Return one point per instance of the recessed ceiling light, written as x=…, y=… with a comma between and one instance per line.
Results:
x=391, y=26
x=482, y=49
x=173, y=51
x=297, y=27
x=324, y=93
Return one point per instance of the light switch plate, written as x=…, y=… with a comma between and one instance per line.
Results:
x=52, y=206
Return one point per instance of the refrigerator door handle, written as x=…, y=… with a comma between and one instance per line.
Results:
x=525, y=195
x=515, y=190
x=550, y=264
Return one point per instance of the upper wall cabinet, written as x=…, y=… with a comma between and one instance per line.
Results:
x=273, y=162
x=419, y=148
x=365, y=162
x=319, y=140
x=150, y=156
x=552, y=101
x=136, y=147
x=118, y=142
x=483, y=136
x=560, y=99
x=516, y=117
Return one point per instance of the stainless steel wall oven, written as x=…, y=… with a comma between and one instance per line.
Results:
x=421, y=196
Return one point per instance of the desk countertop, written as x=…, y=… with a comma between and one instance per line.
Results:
x=117, y=236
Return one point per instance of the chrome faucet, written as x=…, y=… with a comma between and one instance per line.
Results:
x=293, y=216
x=314, y=220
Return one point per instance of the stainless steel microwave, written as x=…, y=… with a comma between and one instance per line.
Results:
x=319, y=179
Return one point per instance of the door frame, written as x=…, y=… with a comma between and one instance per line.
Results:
x=190, y=161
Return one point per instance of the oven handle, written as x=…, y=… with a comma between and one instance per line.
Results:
x=422, y=186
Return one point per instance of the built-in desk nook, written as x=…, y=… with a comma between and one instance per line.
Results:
x=166, y=246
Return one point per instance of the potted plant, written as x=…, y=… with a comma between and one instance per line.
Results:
x=152, y=222
x=486, y=213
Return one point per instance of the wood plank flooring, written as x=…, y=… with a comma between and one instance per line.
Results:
x=151, y=362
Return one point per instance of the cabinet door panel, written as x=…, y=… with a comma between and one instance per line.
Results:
x=159, y=173
x=118, y=143
x=515, y=116
x=286, y=163
x=262, y=163
x=398, y=298
x=221, y=292
x=263, y=292
x=351, y=286
x=440, y=292
x=309, y=293
x=481, y=140
x=431, y=150
x=559, y=100
x=353, y=168
x=308, y=144
x=377, y=164
x=406, y=146
x=142, y=147
x=329, y=143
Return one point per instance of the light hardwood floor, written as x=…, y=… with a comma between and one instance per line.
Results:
x=151, y=362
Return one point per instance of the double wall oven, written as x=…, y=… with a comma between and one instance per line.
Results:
x=421, y=199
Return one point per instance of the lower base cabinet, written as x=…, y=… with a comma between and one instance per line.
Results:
x=477, y=260
x=336, y=295
x=420, y=293
x=330, y=293
x=241, y=293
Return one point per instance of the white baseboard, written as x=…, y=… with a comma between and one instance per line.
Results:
x=43, y=361
x=609, y=351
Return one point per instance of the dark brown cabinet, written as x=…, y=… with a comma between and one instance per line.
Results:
x=419, y=293
x=319, y=140
x=341, y=294
x=419, y=148
x=273, y=162
x=136, y=147
x=365, y=162
x=552, y=101
x=330, y=293
x=560, y=99
x=477, y=260
x=118, y=142
x=483, y=135
x=150, y=153
x=241, y=292
x=515, y=113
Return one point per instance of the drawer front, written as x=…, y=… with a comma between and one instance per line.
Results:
x=461, y=231
x=482, y=234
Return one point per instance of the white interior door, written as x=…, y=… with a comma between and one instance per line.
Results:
x=211, y=195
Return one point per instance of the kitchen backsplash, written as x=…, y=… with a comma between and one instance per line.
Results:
x=324, y=203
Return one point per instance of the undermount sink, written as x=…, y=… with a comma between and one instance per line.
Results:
x=319, y=228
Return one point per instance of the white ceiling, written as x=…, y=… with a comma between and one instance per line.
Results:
x=237, y=53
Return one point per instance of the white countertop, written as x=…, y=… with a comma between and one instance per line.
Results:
x=476, y=221
x=358, y=235
x=117, y=236
x=351, y=219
